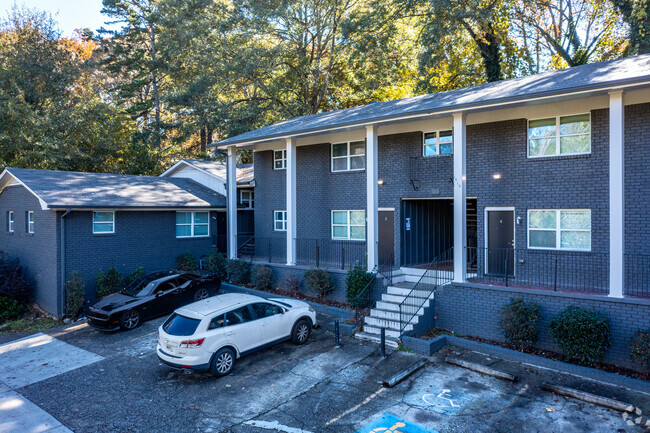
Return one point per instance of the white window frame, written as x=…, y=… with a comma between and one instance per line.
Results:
x=104, y=222
x=349, y=225
x=347, y=156
x=558, y=136
x=30, y=222
x=437, y=143
x=282, y=220
x=283, y=159
x=193, y=225
x=249, y=201
x=10, y=221
x=558, y=231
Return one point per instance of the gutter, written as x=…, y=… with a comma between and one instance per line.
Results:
x=63, y=288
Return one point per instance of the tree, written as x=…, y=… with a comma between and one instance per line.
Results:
x=636, y=14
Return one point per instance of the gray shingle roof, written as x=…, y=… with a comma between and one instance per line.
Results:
x=218, y=168
x=67, y=189
x=580, y=78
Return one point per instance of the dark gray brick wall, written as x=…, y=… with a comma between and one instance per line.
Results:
x=38, y=252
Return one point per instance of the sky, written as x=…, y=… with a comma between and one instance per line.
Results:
x=70, y=14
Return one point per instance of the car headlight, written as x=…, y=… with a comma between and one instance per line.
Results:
x=311, y=310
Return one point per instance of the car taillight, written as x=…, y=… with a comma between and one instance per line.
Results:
x=192, y=343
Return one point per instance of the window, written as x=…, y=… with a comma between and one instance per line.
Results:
x=349, y=224
x=279, y=159
x=103, y=222
x=280, y=220
x=192, y=224
x=563, y=229
x=438, y=143
x=240, y=315
x=349, y=156
x=10, y=221
x=565, y=135
x=246, y=198
x=263, y=310
x=30, y=221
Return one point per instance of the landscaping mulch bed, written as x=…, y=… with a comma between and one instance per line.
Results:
x=304, y=297
x=609, y=368
x=32, y=320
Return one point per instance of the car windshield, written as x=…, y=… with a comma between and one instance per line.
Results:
x=180, y=326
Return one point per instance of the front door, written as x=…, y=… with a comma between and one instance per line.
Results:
x=222, y=232
x=386, y=236
x=500, y=255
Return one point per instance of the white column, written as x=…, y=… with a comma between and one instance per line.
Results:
x=616, y=193
x=372, y=203
x=231, y=185
x=460, y=198
x=291, y=201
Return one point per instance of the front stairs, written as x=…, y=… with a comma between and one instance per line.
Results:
x=386, y=313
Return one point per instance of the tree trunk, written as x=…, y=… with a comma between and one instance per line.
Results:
x=639, y=22
x=154, y=83
x=203, y=139
x=491, y=53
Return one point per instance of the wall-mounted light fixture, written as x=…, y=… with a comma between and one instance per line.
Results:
x=380, y=182
x=496, y=176
x=518, y=220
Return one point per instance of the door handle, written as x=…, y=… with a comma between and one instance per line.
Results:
x=230, y=333
x=264, y=324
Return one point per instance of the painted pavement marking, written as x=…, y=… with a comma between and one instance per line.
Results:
x=390, y=423
x=274, y=425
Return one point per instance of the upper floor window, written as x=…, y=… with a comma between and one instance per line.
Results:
x=246, y=198
x=280, y=220
x=562, y=135
x=438, y=143
x=559, y=229
x=30, y=221
x=10, y=221
x=103, y=222
x=192, y=224
x=349, y=224
x=349, y=156
x=279, y=159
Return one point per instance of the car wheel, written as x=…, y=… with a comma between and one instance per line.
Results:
x=130, y=320
x=301, y=331
x=201, y=294
x=223, y=362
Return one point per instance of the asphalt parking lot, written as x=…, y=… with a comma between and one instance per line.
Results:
x=294, y=389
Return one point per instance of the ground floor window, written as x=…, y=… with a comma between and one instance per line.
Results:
x=280, y=220
x=192, y=224
x=349, y=224
x=30, y=221
x=559, y=229
x=103, y=222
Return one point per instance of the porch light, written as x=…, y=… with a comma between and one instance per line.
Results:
x=380, y=182
x=496, y=176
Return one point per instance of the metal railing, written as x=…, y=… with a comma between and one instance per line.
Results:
x=439, y=272
x=637, y=275
x=573, y=271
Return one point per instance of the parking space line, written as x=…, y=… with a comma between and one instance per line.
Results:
x=349, y=411
x=274, y=425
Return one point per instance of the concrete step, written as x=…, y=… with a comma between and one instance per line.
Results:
x=392, y=306
x=385, y=314
x=390, y=332
x=411, y=300
x=390, y=342
x=401, y=291
x=383, y=323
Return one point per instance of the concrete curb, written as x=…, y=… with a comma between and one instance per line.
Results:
x=589, y=398
x=481, y=369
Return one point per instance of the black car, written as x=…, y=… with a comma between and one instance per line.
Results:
x=150, y=296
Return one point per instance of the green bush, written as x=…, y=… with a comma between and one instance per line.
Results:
x=519, y=323
x=137, y=273
x=290, y=283
x=217, y=263
x=187, y=262
x=239, y=271
x=13, y=283
x=108, y=282
x=262, y=277
x=582, y=335
x=319, y=281
x=75, y=291
x=10, y=309
x=641, y=348
x=357, y=280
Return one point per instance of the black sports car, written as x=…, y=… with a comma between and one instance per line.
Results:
x=150, y=296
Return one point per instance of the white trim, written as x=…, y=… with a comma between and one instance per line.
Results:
x=372, y=200
x=385, y=209
x=616, y=194
x=282, y=221
x=283, y=159
x=291, y=197
x=437, y=143
x=32, y=223
x=558, y=231
x=486, y=232
x=460, y=196
x=173, y=168
x=231, y=202
x=251, y=199
x=558, y=136
x=348, y=157
x=6, y=171
x=11, y=221
x=103, y=222
x=349, y=225
x=192, y=225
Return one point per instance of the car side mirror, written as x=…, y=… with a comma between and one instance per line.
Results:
x=158, y=294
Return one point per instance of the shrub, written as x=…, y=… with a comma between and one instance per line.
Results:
x=262, y=277
x=10, y=309
x=217, y=263
x=319, y=281
x=137, y=273
x=75, y=291
x=641, y=348
x=13, y=283
x=290, y=283
x=355, y=282
x=108, y=282
x=582, y=335
x=239, y=271
x=519, y=323
x=187, y=262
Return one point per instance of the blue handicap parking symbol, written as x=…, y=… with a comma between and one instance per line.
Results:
x=389, y=423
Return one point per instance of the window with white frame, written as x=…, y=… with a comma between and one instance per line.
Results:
x=10, y=221
x=246, y=198
x=30, y=221
x=103, y=222
x=438, y=143
x=349, y=224
x=349, y=156
x=280, y=159
x=192, y=224
x=559, y=229
x=562, y=135
x=280, y=220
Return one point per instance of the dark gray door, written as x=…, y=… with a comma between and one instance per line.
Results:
x=386, y=236
x=500, y=242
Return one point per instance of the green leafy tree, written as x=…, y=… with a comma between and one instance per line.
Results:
x=636, y=14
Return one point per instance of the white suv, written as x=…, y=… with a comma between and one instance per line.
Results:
x=211, y=334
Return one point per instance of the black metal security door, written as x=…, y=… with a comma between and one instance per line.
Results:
x=386, y=236
x=222, y=232
x=500, y=242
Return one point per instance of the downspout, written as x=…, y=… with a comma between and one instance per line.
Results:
x=63, y=288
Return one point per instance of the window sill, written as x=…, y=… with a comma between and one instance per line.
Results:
x=446, y=155
x=347, y=171
x=558, y=157
x=192, y=237
x=104, y=234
